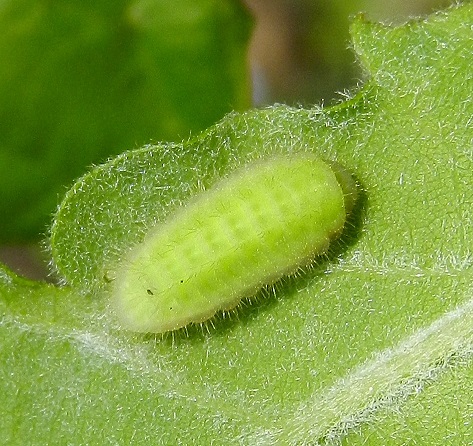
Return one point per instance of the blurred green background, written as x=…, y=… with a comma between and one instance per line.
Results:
x=83, y=81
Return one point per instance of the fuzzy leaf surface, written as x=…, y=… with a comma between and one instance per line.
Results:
x=382, y=325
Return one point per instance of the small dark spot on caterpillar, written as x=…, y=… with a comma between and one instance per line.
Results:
x=149, y=292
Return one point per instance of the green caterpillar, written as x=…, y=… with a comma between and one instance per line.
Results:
x=263, y=221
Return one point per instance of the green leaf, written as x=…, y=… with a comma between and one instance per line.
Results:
x=80, y=81
x=377, y=335
x=440, y=414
